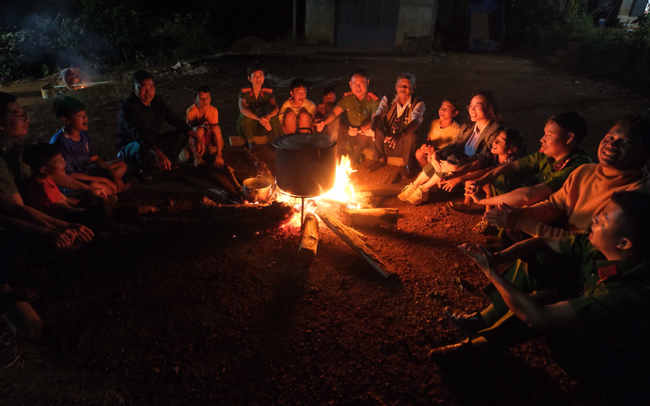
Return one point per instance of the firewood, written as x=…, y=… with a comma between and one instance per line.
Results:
x=372, y=217
x=309, y=238
x=351, y=239
x=248, y=217
x=381, y=190
x=23, y=320
x=393, y=176
x=211, y=191
x=233, y=178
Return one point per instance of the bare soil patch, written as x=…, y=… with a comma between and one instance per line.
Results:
x=185, y=307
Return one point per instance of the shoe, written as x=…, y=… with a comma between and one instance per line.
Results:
x=463, y=348
x=146, y=175
x=408, y=191
x=418, y=196
x=185, y=155
x=198, y=162
x=405, y=172
x=466, y=208
x=465, y=321
x=218, y=162
x=376, y=165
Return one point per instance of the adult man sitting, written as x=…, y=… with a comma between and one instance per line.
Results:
x=360, y=105
x=138, y=129
x=559, y=155
x=394, y=124
x=622, y=155
x=597, y=328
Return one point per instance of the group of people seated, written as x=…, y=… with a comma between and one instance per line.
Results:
x=573, y=230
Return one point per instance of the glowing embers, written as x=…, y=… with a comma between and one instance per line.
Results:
x=342, y=194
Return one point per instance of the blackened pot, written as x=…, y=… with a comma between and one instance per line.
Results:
x=305, y=164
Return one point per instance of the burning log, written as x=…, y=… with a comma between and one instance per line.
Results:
x=350, y=237
x=81, y=85
x=309, y=238
x=372, y=217
x=249, y=217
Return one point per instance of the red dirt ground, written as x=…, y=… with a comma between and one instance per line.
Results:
x=188, y=307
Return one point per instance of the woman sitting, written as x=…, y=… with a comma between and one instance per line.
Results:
x=474, y=138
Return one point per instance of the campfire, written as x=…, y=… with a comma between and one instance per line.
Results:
x=341, y=199
x=310, y=187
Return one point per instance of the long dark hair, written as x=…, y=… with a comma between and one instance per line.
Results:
x=491, y=104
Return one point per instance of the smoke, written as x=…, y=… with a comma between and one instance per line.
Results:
x=48, y=41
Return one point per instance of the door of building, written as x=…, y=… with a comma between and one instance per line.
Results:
x=367, y=23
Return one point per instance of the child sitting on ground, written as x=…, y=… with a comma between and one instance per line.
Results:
x=442, y=131
x=41, y=192
x=297, y=114
x=504, y=149
x=82, y=163
x=325, y=108
x=327, y=105
x=257, y=107
x=204, y=120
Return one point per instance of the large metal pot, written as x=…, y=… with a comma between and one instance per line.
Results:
x=257, y=190
x=305, y=164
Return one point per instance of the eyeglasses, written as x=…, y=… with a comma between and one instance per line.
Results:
x=22, y=116
x=474, y=106
x=445, y=109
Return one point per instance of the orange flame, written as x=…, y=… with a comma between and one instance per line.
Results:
x=343, y=191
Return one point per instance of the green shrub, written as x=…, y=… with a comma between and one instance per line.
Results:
x=9, y=65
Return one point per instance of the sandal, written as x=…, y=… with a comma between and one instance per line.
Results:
x=465, y=208
x=483, y=227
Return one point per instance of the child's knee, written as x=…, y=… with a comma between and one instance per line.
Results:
x=304, y=118
x=119, y=167
x=289, y=117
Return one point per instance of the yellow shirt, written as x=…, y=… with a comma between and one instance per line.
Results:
x=195, y=119
x=442, y=135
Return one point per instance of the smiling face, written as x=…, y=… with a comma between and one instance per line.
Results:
x=447, y=111
x=499, y=145
x=555, y=141
x=146, y=90
x=479, y=109
x=15, y=123
x=329, y=98
x=257, y=78
x=202, y=100
x=359, y=86
x=606, y=228
x=404, y=88
x=299, y=94
x=620, y=151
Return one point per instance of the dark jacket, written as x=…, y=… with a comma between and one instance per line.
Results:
x=457, y=145
x=141, y=124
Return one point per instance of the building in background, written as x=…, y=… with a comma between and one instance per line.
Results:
x=372, y=24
